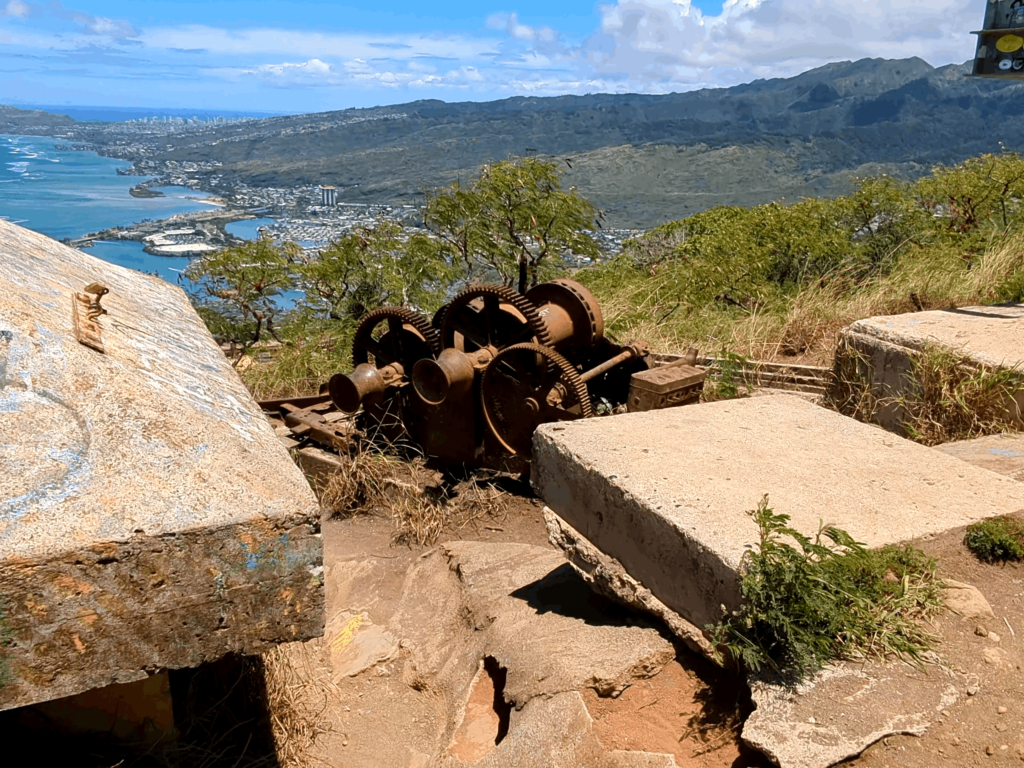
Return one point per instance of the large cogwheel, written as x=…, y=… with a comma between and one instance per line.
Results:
x=527, y=385
x=394, y=335
x=486, y=315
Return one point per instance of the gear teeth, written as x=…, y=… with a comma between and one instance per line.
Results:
x=522, y=305
x=569, y=377
x=408, y=317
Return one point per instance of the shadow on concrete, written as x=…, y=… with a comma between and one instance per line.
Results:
x=220, y=714
x=564, y=592
x=980, y=313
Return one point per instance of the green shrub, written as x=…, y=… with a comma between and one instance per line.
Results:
x=997, y=540
x=808, y=604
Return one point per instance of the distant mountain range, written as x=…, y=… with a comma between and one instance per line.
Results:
x=643, y=159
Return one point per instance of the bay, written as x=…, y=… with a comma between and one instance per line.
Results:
x=65, y=193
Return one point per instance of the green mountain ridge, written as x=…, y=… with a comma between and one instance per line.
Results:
x=644, y=159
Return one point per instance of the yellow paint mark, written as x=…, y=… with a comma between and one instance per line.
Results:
x=347, y=632
x=79, y=645
x=1009, y=43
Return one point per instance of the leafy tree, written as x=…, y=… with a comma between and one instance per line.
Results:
x=236, y=290
x=371, y=267
x=511, y=221
x=975, y=199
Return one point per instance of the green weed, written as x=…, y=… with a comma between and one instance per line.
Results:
x=953, y=400
x=945, y=397
x=997, y=540
x=729, y=383
x=826, y=598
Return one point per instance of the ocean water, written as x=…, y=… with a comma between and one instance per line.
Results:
x=67, y=194
x=247, y=228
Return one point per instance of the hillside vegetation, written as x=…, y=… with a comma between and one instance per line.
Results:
x=773, y=281
x=642, y=159
x=778, y=281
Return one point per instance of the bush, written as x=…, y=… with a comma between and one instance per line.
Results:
x=781, y=280
x=806, y=605
x=997, y=540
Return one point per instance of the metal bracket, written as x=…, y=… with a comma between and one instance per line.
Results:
x=85, y=313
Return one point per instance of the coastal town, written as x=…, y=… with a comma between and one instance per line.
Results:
x=310, y=216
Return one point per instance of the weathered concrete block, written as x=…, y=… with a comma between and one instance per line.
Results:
x=990, y=336
x=1002, y=454
x=666, y=492
x=149, y=516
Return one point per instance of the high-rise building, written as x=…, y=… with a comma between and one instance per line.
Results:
x=328, y=196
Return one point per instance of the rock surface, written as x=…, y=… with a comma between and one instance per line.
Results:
x=493, y=636
x=149, y=517
x=845, y=709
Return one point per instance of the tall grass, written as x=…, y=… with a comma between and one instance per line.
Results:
x=638, y=302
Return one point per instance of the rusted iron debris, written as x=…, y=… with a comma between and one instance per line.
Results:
x=470, y=386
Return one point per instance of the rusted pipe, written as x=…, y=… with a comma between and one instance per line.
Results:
x=633, y=350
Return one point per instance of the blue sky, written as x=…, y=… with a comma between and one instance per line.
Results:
x=311, y=56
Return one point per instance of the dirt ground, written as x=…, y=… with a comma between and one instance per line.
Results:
x=694, y=712
x=329, y=707
x=690, y=709
x=986, y=728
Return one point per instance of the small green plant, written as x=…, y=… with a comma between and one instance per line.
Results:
x=730, y=382
x=997, y=540
x=826, y=598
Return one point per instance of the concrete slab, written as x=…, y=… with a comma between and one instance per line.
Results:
x=149, y=516
x=1003, y=454
x=665, y=493
x=992, y=336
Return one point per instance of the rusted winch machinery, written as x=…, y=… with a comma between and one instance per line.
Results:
x=472, y=385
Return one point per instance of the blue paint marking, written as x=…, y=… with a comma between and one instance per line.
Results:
x=251, y=561
x=1003, y=452
x=14, y=396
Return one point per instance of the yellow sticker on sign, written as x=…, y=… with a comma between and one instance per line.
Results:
x=1010, y=43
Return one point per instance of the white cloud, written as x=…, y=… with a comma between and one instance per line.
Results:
x=267, y=42
x=17, y=9
x=510, y=23
x=659, y=44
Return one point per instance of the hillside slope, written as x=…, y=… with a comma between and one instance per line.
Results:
x=643, y=158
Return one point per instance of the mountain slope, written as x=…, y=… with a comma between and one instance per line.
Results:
x=644, y=158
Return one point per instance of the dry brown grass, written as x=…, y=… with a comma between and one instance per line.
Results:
x=361, y=484
x=422, y=516
x=947, y=397
x=299, y=695
x=805, y=328
x=421, y=505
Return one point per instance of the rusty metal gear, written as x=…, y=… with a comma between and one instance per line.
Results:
x=527, y=385
x=575, y=304
x=409, y=337
x=481, y=315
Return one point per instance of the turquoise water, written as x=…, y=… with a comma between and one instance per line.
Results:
x=66, y=193
x=247, y=228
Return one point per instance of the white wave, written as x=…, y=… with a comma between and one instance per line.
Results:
x=18, y=167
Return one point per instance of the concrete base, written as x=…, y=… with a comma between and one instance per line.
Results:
x=149, y=516
x=665, y=493
x=983, y=336
x=1002, y=454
